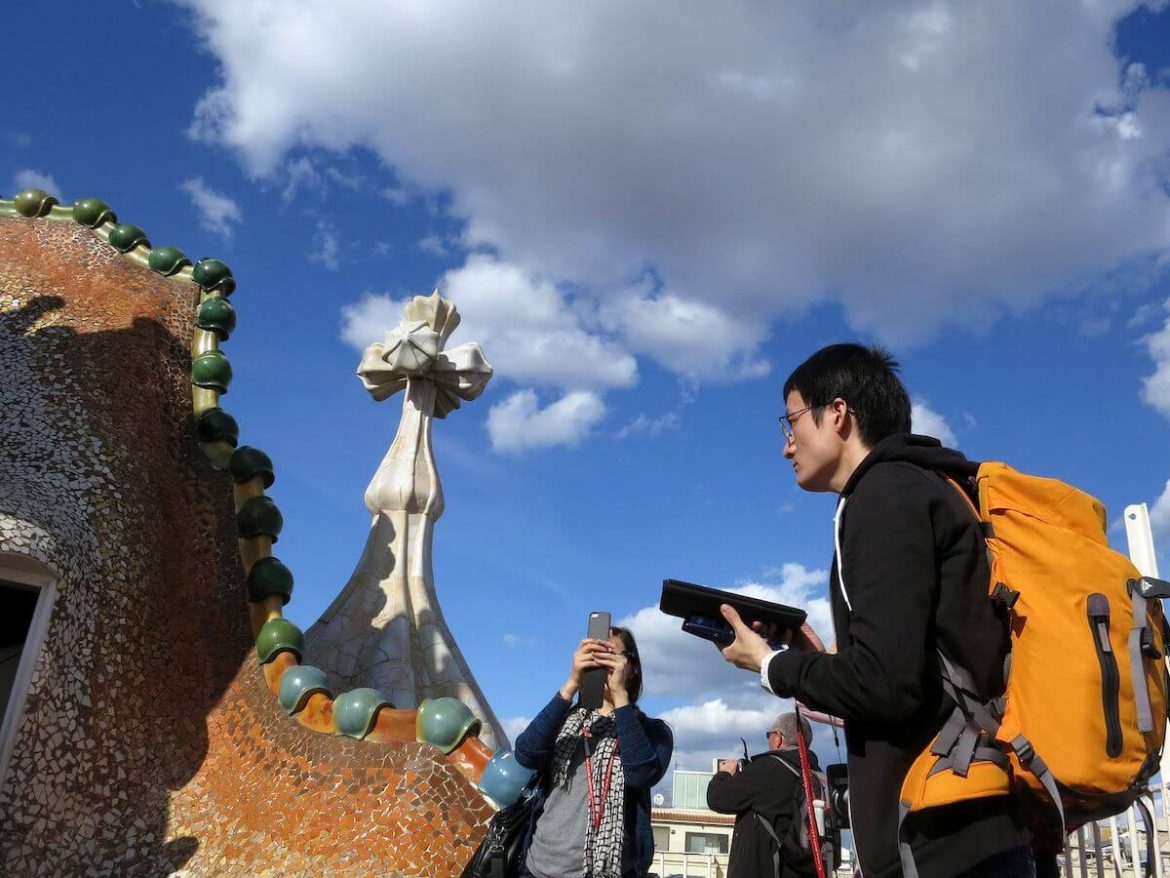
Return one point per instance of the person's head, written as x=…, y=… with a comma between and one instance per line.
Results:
x=782, y=733
x=839, y=403
x=623, y=640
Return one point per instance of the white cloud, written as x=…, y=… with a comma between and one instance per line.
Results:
x=368, y=320
x=585, y=142
x=434, y=245
x=352, y=182
x=518, y=423
x=30, y=179
x=712, y=729
x=1156, y=387
x=927, y=422
x=1160, y=515
x=529, y=333
x=647, y=426
x=515, y=725
x=687, y=337
x=396, y=195
x=301, y=174
x=218, y=213
x=19, y=139
x=1144, y=314
x=327, y=250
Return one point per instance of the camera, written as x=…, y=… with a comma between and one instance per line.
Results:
x=837, y=779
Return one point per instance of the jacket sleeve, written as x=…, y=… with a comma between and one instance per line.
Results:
x=534, y=745
x=889, y=573
x=645, y=747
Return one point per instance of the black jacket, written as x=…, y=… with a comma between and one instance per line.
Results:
x=915, y=576
x=771, y=789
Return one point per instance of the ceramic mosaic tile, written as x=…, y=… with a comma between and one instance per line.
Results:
x=152, y=742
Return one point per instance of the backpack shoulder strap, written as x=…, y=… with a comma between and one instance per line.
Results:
x=786, y=763
x=772, y=832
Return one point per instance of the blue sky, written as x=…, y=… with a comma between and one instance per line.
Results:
x=648, y=214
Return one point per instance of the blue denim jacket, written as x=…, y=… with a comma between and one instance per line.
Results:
x=646, y=747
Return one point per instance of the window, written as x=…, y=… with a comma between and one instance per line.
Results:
x=662, y=838
x=27, y=591
x=707, y=843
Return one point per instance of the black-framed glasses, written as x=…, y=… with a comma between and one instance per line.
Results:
x=768, y=734
x=789, y=418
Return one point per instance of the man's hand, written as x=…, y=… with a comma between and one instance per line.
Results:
x=749, y=649
x=807, y=639
x=818, y=716
x=731, y=766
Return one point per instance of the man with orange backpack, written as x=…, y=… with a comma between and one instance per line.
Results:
x=909, y=584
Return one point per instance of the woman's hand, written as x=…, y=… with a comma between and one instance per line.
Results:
x=613, y=659
x=583, y=660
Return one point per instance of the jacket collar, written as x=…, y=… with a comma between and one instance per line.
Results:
x=925, y=451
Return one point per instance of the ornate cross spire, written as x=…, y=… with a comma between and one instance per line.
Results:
x=385, y=629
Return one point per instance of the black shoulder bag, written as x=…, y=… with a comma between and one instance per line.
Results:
x=498, y=855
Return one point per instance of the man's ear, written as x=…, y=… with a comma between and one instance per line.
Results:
x=839, y=410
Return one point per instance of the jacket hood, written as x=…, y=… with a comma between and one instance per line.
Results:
x=924, y=451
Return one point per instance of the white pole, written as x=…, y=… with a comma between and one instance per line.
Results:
x=1141, y=551
x=1141, y=539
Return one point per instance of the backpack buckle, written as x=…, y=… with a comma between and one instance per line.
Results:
x=1149, y=587
x=1004, y=595
x=1149, y=650
x=1023, y=749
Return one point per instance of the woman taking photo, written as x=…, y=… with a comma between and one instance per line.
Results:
x=597, y=768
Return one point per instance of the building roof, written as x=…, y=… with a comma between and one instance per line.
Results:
x=691, y=815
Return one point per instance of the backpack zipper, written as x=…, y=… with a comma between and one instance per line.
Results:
x=1110, y=680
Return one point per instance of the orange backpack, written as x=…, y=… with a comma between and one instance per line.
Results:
x=1082, y=721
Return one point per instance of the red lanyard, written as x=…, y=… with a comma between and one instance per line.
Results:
x=597, y=805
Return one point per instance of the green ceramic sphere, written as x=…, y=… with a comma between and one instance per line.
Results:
x=354, y=712
x=297, y=684
x=211, y=274
x=444, y=722
x=167, y=260
x=211, y=370
x=92, y=212
x=278, y=635
x=216, y=425
x=217, y=315
x=248, y=462
x=124, y=237
x=34, y=202
x=268, y=577
x=259, y=517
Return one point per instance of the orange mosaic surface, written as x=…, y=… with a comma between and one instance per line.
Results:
x=151, y=742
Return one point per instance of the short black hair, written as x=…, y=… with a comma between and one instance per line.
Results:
x=865, y=377
x=634, y=674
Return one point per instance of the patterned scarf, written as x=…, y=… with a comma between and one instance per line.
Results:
x=603, y=844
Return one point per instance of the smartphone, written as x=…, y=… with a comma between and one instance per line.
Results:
x=593, y=681
x=716, y=630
